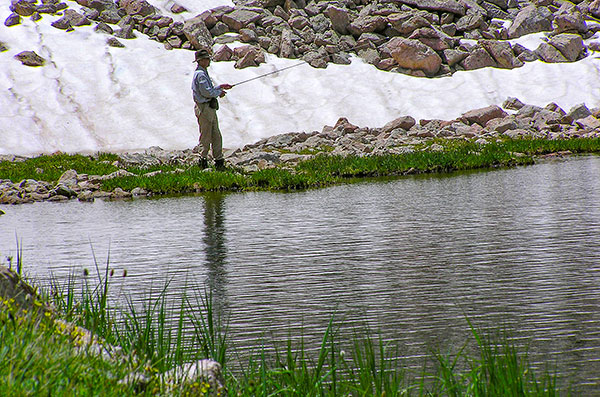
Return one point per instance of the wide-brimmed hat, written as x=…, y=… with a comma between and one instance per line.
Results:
x=201, y=54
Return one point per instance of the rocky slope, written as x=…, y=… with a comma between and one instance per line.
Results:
x=421, y=38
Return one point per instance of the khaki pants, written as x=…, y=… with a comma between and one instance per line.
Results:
x=210, y=135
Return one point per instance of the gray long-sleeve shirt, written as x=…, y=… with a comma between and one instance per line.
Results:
x=202, y=86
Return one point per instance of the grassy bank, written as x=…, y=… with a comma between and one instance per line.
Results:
x=317, y=172
x=38, y=357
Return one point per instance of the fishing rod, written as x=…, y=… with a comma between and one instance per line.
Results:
x=355, y=48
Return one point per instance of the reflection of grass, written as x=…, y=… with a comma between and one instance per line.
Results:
x=321, y=170
x=37, y=356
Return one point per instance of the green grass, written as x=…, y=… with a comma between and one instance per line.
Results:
x=50, y=168
x=37, y=357
x=321, y=170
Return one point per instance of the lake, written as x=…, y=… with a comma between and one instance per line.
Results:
x=412, y=257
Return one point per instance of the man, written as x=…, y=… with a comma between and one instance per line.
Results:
x=205, y=96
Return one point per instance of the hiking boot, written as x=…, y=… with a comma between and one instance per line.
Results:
x=203, y=163
x=220, y=165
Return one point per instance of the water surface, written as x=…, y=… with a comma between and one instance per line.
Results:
x=516, y=248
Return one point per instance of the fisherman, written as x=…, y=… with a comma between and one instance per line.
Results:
x=205, y=96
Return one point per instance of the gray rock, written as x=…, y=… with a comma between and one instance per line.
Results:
x=531, y=19
x=197, y=33
x=483, y=115
x=478, y=58
x=570, y=45
x=549, y=53
x=12, y=20
x=502, y=53
x=579, y=112
x=240, y=18
x=30, y=58
x=405, y=123
x=339, y=18
x=437, y=5
x=512, y=103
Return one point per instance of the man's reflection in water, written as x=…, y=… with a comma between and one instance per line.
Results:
x=215, y=248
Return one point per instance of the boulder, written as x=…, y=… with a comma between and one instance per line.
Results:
x=570, y=45
x=454, y=56
x=339, y=18
x=569, y=23
x=433, y=38
x=579, y=112
x=478, y=58
x=469, y=22
x=502, y=53
x=137, y=7
x=197, y=33
x=414, y=55
x=30, y=58
x=483, y=115
x=451, y=6
x=240, y=18
x=12, y=20
x=224, y=53
x=367, y=24
x=24, y=8
x=406, y=26
x=588, y=123
x=70, y=19
x=512, y=103
x=405, y=122
x=549, y=53
x=531, y=19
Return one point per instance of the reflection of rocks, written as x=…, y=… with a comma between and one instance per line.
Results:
x=401, y=135
x=424, y=38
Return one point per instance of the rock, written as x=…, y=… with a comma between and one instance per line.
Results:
x=405, y=122
x=412, y=54
x=339, y=18
x=469, y=22
x=12, y=20
x=197, y=33
x=30, y=58
x=549, y=53
x=71, y=19
x=478, y=58
x=433, y=38
x=178, y=9
x=454, y=56
x=240, y=18
x=569, y=23
x=588, y=123
x=483, y=115
x=531, y=19
x=69, y=178
x=451, y=6
x=23, y=8
x=64, y=191
x=224, y=53
x=367, y=24
x=512, y=103
x=137, y=7
x=502, y=53
x=113, y=42
x=570, y=45
x=119, y=193
x=579, y=112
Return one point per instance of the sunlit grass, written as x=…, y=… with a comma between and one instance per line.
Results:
x=38, y=358
x=321, y=170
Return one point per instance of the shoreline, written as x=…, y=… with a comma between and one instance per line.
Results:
x=300, y=160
